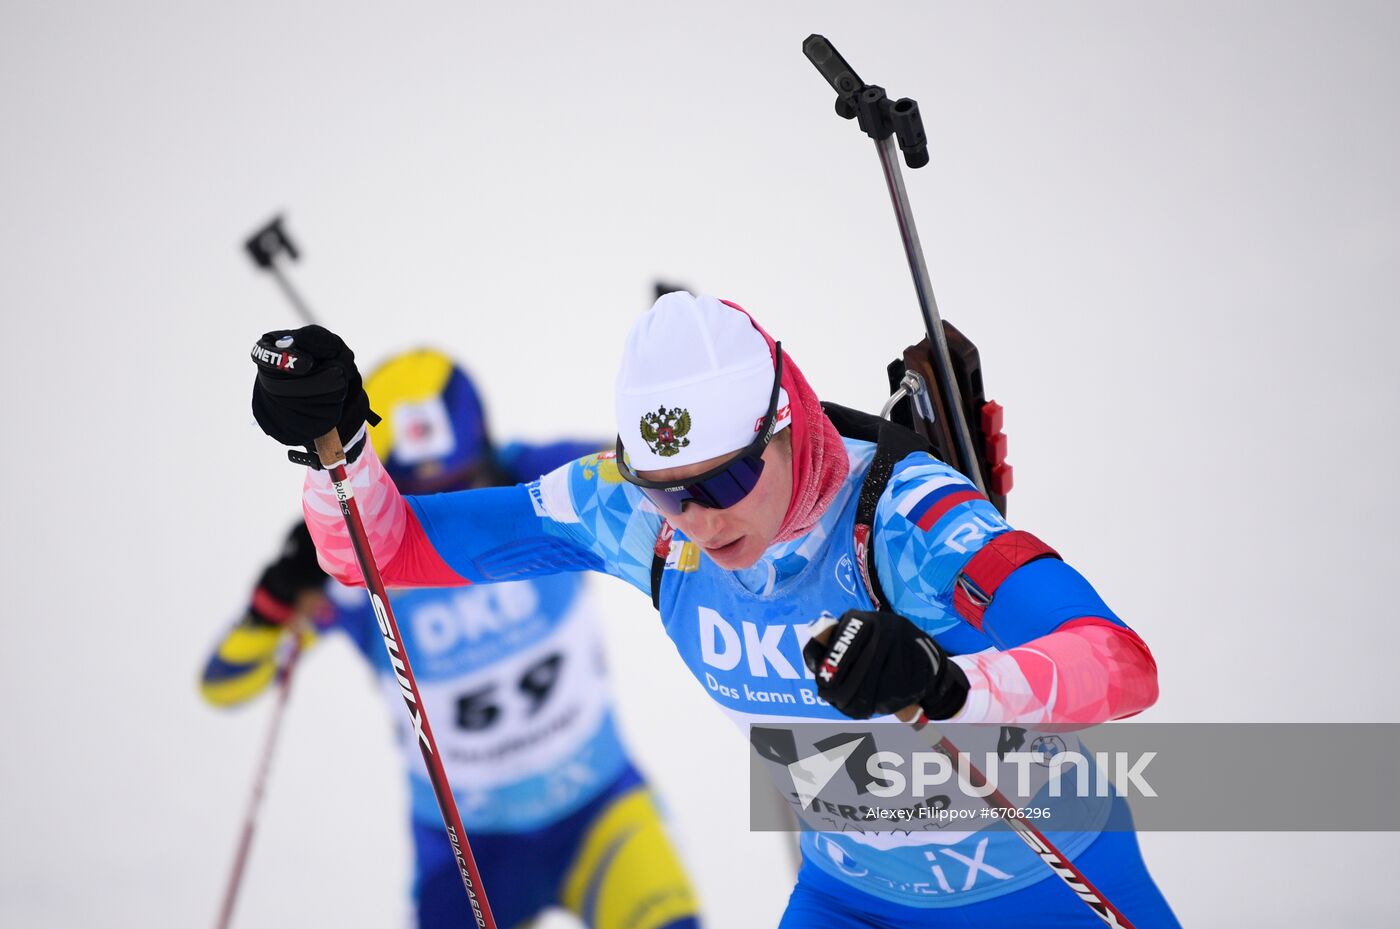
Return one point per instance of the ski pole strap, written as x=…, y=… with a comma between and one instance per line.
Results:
x=310, y=459
x=993, y=563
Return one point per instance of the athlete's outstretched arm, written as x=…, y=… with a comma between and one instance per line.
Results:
x=1060, y=654
x=470, y=536
x=405, y=555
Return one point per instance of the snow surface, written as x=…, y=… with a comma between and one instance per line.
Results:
x=1171, y=229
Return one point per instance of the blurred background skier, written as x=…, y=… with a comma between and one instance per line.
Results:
x=512, y=674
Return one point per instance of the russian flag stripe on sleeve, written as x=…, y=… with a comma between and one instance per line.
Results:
x=933, y=506
x=920, y=493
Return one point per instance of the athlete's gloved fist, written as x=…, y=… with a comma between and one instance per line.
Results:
x=307, y=383
x=290, y=593
x=288, y=584
x=870, y=663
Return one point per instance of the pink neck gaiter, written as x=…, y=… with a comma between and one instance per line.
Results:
x=819, y=462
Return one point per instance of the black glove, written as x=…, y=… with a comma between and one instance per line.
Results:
x=307, y=382
x=294, y=573
x=876, y=663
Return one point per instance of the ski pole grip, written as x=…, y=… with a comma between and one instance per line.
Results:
x=910, y=714
x=265, y=245
x=329, y=450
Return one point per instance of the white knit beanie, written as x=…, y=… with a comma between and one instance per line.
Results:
x=694, y=383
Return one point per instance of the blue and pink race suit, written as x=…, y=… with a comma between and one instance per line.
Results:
x=1046, y=650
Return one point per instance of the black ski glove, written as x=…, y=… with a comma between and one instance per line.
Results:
x=876, y=663
x=307, y=382
x=295, y=572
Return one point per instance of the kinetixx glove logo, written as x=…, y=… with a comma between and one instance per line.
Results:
x=282, y=361
x=832, y=663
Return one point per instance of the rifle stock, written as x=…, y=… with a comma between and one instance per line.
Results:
x=983, y=417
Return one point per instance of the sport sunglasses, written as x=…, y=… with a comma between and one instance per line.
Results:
x=720, y=487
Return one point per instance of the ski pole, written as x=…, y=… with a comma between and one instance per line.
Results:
x=1044, y=849
x=245, y=840
x=332, y=455
x=264, y=247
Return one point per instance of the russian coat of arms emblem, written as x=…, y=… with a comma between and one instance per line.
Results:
x=665, y=430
